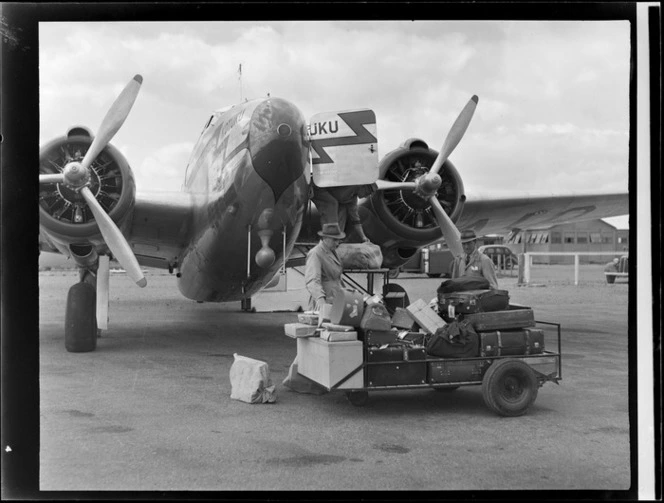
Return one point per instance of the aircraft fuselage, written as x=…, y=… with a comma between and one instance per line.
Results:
x=246, y=177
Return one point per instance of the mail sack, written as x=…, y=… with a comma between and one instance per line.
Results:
x=360, y=255
x=250, y=381
x=455, y=340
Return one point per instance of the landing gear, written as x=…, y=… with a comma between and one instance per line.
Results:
x=81, y=318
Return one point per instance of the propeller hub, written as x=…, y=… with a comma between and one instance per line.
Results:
x=75, y=175
x=428, y=185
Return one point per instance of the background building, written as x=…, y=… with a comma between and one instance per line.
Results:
x=590, y=236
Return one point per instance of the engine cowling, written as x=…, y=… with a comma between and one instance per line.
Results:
x=63, y=213
x=400, y=219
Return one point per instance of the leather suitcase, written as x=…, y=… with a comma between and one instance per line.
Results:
x=456, y=371
x=472, y=301
x=376, y=317
x=512, y=318
x=463, y=283
x=379, y=337
x=403, y=372
x=525, y=341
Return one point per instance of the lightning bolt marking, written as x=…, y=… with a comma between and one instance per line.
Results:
x=355, y=121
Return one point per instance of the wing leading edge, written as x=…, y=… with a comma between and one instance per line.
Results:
x=491, y=215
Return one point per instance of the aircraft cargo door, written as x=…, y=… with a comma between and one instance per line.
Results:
x=344, y=148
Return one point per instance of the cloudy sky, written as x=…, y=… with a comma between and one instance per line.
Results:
x=553, y=113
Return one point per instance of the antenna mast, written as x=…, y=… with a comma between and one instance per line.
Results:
x=239, y=76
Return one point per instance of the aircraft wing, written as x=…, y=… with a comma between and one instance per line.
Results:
x=498, y=215
x=161, y=227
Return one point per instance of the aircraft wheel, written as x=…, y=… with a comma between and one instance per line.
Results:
x=509, y=387
x=358, y=398
x=610, y=279
x=81, y=319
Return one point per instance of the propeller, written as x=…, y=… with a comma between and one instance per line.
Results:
x=77, y=176
x=427, y=185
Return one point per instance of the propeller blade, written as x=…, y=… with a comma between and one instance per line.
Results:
x=55, y=178
x=114, y=239
x=385, y=185
x=450, y=232
x=456, y=133
x=114, y=119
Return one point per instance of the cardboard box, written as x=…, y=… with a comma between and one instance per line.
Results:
x=328, y=362
x=335, y=336
x=296, y=330
x=425, y=316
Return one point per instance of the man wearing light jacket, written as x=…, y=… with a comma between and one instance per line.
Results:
x=323, y=270
x=473, y=262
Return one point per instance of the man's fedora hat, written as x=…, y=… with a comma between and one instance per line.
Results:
x=467, y=236
x=331, y=231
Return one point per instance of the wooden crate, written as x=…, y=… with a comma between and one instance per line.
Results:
x=328, y=362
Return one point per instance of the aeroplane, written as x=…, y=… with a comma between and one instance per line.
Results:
x=245, y=202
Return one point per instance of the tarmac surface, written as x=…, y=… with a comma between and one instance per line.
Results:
x=150, y=409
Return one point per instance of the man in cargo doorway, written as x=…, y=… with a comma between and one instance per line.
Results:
x=473, y=262
x=323, y=270
x=338, y=205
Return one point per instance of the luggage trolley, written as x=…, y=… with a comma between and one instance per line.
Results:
x=509, y=383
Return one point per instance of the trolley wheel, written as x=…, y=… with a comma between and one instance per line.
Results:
x=509, y=387
x=447, y=388
x=358, y=398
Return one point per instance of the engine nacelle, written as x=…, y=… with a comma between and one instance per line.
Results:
x=63, y=213
x=401, y=220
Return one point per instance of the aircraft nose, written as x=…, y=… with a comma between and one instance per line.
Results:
x=277, y=143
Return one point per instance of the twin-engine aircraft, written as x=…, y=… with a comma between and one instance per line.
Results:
x=245, y=202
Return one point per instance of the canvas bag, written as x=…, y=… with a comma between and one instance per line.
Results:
x=360, y=255
x=457, y=339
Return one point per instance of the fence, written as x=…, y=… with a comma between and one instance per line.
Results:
x=526, y=262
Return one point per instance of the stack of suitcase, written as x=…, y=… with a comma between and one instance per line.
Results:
x=504, y=329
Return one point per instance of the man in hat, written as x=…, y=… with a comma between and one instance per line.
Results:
x=322, y=274
x=473, y=262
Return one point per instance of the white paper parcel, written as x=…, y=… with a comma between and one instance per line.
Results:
x=250, y=381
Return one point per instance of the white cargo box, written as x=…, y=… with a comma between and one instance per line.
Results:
x=328, y=362
x=299, y=330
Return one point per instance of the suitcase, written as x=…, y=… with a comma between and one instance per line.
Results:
x=525, y=341
x=463, y=284
x=472, y=301
x=376, y=317
x=512, y=318
x=402, y=372
x=456, y=371
x=379, y=337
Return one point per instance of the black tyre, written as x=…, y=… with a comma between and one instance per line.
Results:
x=358, y=398
x=610, y=279
x=509, y=387
x=81, y=319
x=434, y=275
